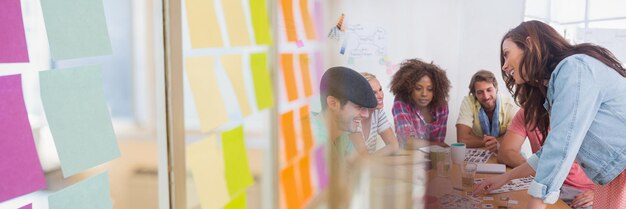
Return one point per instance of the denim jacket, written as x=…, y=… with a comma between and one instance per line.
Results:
x=587, y=104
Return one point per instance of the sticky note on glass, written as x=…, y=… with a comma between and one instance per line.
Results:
x=204, y=29
x=320, y=166
x=306, y=74
x=305, y=122
x=289, y=187
x=305, y=178
x=205, y=90
x=288, y=135
x=238, y=202
x=236, y=23
x=238, y=176
x=260, y=22
x=29, y=206
x=289, y=77
x=307, y=20
x=92, y=193
x=206, y=163
x=20, y=169
x=76, y=28
x=79, y=118
x=262, y=81
x=12, y=37
x=234, y=69
x=288, y=19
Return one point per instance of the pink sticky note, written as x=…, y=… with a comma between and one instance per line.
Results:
x=20, y=170
x=320, y=165
x=299, y=43
x=12, y=38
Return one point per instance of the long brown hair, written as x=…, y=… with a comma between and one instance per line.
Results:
x=543, y=48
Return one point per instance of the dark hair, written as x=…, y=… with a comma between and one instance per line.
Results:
x=484, y=76
x=543, y=48
x=411, y=70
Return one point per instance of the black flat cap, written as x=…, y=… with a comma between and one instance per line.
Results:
x=343, y=82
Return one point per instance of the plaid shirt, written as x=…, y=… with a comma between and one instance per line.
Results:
x=410, y=122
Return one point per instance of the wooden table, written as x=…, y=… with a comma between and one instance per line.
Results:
x=438, y=186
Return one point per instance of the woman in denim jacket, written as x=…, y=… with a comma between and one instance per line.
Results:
x=578, y=92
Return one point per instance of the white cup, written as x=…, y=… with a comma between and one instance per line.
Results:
x=458, y=153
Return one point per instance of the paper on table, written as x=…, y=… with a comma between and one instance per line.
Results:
x=76, y=28
x=12, y=38
x=234, y=70
x=262, y=81
x=206, y=163
x=204, y=29
x=79, y=119
x=20, y=169
x=92, y=193
x=238, y=176
x=204, y=88
x=236, y=23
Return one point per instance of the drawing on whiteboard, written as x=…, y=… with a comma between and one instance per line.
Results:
x=337, y=30
x=364, y=41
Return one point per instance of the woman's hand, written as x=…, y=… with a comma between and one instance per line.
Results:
x=490, y=184
x=583, y=200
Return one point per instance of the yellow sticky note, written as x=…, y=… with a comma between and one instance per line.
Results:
x=236, y=23
x=205, y=161
x=238, y=202
x=306, y=75
x=238, y=176
x=262, y=81
x=260, y=22
x=209, y=102
x=204, y=28
x=307, y=20
x=234, y=70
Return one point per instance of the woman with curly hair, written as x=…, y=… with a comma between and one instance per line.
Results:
x=574, y=95
x=420, y=109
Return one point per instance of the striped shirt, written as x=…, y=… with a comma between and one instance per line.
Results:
x=410, y=122
x=379, y=123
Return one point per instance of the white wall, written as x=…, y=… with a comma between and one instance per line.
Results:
x=460, y=36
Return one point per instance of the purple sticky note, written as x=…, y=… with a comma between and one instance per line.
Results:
x=12, y=38
x=318, y=68
x=20, y=170
x=320, y=165
x=29, y=206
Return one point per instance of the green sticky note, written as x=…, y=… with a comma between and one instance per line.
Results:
x=239, y=202
x=238, y=176
x=260, y=22
x=92, y=193
x=262, y=81
x=76, y=28
x=79, y=120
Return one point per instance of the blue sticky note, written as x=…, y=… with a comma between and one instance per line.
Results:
x=92, y=193
x=79, y=120
x=76, y=28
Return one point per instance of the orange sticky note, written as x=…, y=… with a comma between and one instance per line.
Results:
x=286, y=63
x=289, y=187
x=304, y=170
x=288, y=135
x=309, y=28
x=305, y=122
x=290, y=24
x=306, y=75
